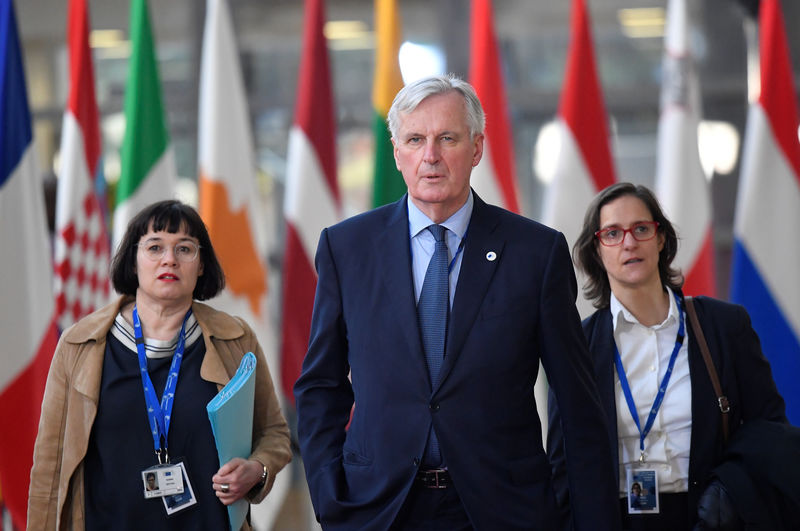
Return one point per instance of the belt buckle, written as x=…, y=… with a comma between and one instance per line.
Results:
x=439, y=479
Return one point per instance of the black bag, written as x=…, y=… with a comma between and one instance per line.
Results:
x=756, y=485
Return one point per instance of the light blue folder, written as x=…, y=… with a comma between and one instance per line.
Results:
x=231, y=416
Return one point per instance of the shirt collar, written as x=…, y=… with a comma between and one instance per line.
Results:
x=457, y=223
x=620, y=314
x=154, y=348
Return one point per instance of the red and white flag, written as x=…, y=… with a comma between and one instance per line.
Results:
x=229, y=202
x=27, y=310
x=584, y=165
x=82, y=259
x=494, y=178
x=681, y=185
x=312, y=199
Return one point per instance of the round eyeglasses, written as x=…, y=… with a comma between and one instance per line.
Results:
x=641, y=232
x=185, y=251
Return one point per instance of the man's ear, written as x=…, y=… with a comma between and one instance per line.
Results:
x=394, y=154
x=478, y=154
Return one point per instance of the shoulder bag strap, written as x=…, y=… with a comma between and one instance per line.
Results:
x=722, y=400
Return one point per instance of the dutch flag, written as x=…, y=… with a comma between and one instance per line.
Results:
x=767, y=243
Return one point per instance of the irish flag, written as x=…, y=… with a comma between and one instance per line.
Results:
x=81, y=239
x=388, y=184
x=494, y=179
x=312, y=195
x=681, y=185
x=766, y=244
x=148, y=167
x=229, y=200
x=27, y=311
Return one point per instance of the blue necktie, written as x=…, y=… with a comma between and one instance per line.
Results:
x=432, y=310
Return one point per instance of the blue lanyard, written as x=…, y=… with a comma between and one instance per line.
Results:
x=626, y=389
x=159, y=414
x=455, y=256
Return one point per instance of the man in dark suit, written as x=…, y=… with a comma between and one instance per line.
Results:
x=443, y=428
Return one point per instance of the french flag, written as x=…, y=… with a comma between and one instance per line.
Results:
x=767, y=247
x=27, y=308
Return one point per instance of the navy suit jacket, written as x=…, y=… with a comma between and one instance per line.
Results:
x=507, y=314
x=745, y=377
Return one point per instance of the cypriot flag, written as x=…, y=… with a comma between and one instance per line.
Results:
x=229, y=202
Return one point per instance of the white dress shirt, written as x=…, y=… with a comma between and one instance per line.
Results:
x=645, y=352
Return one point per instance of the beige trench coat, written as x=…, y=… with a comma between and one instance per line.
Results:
x=56, y=499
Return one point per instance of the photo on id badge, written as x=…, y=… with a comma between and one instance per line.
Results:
x=162, y=480
x=642, y=491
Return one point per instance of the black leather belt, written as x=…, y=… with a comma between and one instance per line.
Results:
x=438, y=478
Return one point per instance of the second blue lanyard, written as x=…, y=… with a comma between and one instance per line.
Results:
x=626, y=389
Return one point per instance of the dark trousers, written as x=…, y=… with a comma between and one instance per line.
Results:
x=432, y=510
x=673, y=515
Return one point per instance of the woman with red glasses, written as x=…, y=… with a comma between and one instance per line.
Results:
x=661, y=408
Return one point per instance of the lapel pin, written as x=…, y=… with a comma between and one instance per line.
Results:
x=491, y=256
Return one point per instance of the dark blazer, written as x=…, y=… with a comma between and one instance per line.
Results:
x=745, y=377
x=507, y=314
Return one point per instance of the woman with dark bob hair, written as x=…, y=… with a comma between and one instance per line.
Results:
x=660, y=404
x=127, y=392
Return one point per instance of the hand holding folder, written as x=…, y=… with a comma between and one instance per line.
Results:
x=231, y=416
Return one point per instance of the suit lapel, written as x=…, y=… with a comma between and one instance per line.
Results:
x=393, y=249
x=473, y=280
x=601, y=344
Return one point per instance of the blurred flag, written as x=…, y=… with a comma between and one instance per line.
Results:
x=27, y=311
x=312, y=195
x=388, y=184
x=229, y=203
x=766, y=244
x=81, y=241
x=681, y=185
x=148, y=166
x=584, y=165
x=495, y=178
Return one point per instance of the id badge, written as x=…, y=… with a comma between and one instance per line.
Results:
x=162, y=480
x=642, y=490
x=179, y=502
